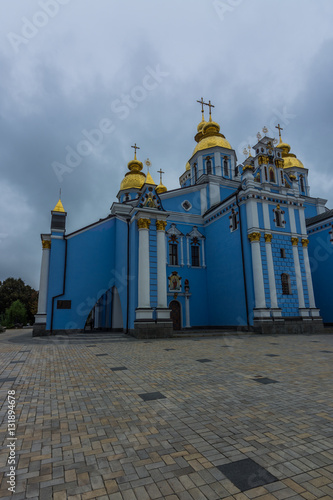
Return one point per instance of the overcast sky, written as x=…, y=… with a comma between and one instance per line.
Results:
x=119, y=72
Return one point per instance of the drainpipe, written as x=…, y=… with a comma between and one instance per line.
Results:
x=243, y=262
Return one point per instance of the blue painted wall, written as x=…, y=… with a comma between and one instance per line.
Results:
x=90, y=273
x=224, y=266
x=321, y=263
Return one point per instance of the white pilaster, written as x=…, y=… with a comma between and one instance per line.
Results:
x=299, y=285
x=265, y=209
x=292, y=219
x=302, y=220
x=203, y=253
x=188, y=251
x=252, y=214
x=312, y=303
x=43, y=283
x=203, y=199
x=214, y=194
x=258, y=277
x=144, y=273
x=217, y=158
x=181, y=251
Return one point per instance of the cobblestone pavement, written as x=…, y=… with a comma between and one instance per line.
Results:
x=111, y=417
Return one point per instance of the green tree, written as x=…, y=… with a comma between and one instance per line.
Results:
x=16, y=313
x=13, y=289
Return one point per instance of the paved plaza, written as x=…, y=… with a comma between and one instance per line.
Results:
x=111, y=417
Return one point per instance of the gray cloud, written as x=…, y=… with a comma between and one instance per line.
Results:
x=258, y=63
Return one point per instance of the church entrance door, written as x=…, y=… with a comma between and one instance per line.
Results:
x=175, y=314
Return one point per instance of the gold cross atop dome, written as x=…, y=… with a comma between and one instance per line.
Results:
x=160, y=172
x=210, y=105
x=135, y=147
x=279, y=128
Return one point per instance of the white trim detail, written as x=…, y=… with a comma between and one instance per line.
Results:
x=144, y=273
x=298, y=274
x=258, y=277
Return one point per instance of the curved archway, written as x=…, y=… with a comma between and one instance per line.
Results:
x=106, y=314
x=175, y=314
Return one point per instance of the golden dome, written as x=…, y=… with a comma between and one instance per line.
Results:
x=290, y=160
x=160, y=188
x=210, y=142
x=59, y=207
x=134, y=178
x=188, y=166
x=210, y=136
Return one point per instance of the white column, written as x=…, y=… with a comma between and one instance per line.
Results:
x=218, y=170
x=144, y=273
x=299, y=283
x=43, y=283
x=188, y=251
x=203, y=199
x=161, y=270
x=181, y=251
x=258, y=277
x=312, y=303
x=252, y=214
x=187, y=311
x=292, y=219
x=203, y=253
x=271, y=274
x=265, y=209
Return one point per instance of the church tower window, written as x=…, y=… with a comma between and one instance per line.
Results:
x=208, y=165
x=195, y=171
x=233, y=220
x=225, y=167
x=195, y=255
x=285, y=282
x=173, y=254
x=266, y=176
x=271, y=175
x=278, y=213
x=301, y=179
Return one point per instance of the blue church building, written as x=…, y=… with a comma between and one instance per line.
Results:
x=237, y=246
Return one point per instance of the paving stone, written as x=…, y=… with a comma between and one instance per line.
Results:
x=84, y=433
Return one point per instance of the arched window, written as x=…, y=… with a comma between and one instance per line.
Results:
x=195, y=254
x=271, y=174
x=208, y=165
x=301, y=179
x=195, y=172
x=225, y=167
x=266, y=176
x=285, y=282
x=233, y=220
x=278, y=213
x=173, y=253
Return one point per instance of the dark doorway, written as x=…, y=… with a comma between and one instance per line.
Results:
x=175, y=314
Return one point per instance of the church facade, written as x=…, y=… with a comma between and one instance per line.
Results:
x=238, y=246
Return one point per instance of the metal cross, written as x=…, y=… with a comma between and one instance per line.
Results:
x=279, y=128
x=202, y=104
x=135, y=147
x=161, y=172
x=210, y=108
